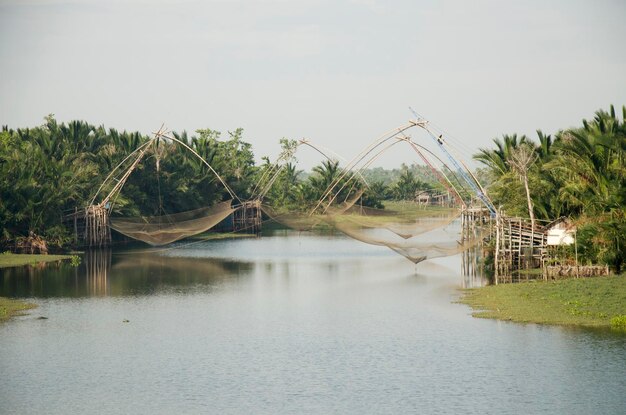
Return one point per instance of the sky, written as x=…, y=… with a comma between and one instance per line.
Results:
x=339, y=73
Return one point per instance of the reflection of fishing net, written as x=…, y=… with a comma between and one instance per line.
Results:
x=169, y=265
x=413, y=248
x=162, y=230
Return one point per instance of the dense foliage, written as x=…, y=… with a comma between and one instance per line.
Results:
x=578, y=173
x=55, y=168
x=51, y=170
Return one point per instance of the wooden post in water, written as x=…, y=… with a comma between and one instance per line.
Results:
x=97, y=232
x=248, y=217
x=462, y=224
x=75, y=225
x=519, y=246
x=497, y=254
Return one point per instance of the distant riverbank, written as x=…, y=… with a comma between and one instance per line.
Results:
x=589, y=302
x=10, y=308
x=17, y=260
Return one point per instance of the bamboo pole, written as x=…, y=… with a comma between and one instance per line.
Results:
x=519, y=246
x=576, y=254
x=75, y=225
x=497, y=254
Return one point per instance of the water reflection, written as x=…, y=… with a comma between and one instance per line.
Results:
x=97, y=268
x=105, y=273
x=102, y=273
x=288, y=324
x=472, y=268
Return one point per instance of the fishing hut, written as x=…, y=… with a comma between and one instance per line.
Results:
x=518, y=245
x=247, y=218
x=90, y=227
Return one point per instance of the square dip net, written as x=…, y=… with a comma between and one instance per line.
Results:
x=162, y=230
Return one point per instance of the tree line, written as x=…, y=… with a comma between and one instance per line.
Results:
x=579, y=173
x=52, y=169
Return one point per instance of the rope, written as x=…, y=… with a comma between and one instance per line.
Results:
x=117, y=167
x=120, y=184
x=358, y=158
x=228, y=189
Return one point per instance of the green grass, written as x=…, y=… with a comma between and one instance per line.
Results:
x=16, y=260
x=10, y=308
x=404, y=208
x=395, y=212
x=619, y=323
x=590, y=302
x=398, y=212
x=213, y=236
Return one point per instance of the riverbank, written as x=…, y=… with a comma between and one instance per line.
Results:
x=10, y=308
x=216, y=236
x=16, y=260
x=589, y=302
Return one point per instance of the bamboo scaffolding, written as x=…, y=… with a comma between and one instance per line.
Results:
x=518, y=245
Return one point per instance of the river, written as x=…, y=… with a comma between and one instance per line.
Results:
x=288, y=323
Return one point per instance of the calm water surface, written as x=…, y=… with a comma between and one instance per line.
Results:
x=293, y=323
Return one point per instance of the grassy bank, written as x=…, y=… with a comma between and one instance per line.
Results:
x=591, y=302
x=16, y=260
x=10, y=308
x=215, y=236
x=410, y=207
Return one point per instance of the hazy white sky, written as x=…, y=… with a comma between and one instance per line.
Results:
x=337, y=72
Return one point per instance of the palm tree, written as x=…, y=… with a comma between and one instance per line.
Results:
x=323, y=177
x=496, y=160
x=588, y=173
x=520, y=160
x=512, y=170
x=592, y=164
x=406, y=185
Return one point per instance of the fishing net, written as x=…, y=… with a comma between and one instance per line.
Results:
x=421, y=252
x=162, y=230
x=407, y=229
x=302, y=221
x=420, y=245
x=295, y=220
x=344, y=206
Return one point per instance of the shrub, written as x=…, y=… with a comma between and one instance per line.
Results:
x=619, y=322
